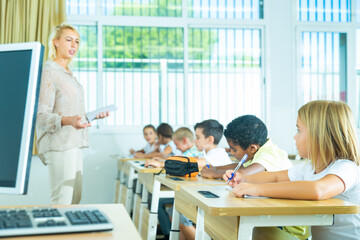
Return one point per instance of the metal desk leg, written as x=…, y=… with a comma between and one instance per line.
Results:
x=200, y=226
x=136, y=196
x=153, y=219
x=174, y=233
x=144, y=202
x=129, y=193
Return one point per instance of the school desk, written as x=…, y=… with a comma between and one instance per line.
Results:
x=120, y=180
x=123, y=226
x=229, y=217
x=142, y=216
x=128, y=175
x=174, y=183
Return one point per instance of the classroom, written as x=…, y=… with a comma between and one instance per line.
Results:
x=135, y=68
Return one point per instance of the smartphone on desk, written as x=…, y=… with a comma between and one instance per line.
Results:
x=208, y=194
x=176, y=179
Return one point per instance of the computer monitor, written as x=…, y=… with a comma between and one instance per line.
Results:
x=20, y=73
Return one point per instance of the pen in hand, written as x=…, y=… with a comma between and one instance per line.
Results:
x=237, y=167
x=204, y=153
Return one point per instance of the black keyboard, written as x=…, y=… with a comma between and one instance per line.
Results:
x=36, y=221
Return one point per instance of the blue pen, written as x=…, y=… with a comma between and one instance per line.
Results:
x=204, y=153
x=237, y=167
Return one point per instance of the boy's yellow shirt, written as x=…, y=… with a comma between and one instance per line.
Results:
x=271, y=157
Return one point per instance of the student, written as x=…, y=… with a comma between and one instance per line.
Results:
x=184, y=141
x=327, y=137
x=248, y=134
x=167, y=147
x=207, y=137
x=150, y=136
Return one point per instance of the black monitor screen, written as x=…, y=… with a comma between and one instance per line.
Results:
x=20, y=71
x=13, y=85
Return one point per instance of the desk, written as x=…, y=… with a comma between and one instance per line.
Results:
x=123, y=226
x=174, y=185
x=121, y=176
x=126, y=176
x=229, y=217
x=141, y=214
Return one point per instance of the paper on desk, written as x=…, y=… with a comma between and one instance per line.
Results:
x=92, y=115
x=245, y=196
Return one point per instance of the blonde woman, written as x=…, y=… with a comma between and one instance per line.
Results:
x=61, y=126
x=326, y=136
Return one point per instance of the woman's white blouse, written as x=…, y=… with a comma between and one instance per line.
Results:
x=61, y=95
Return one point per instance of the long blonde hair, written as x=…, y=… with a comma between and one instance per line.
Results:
x=56, y=34
x=331, y=131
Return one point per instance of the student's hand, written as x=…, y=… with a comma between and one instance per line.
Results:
x=158, y=159
x=139, y=155
x=154, y=163
x=238, y=178
x=132, y=151
x=246, y=189
x=209, y=172
x=102, y=115
x=76, y=121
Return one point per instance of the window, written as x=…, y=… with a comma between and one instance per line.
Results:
x=325, y=10
x=85, y=67
x=155, y=8
x=144, y=73
x=224, y=64
x=323, y=60
x=80, y=7
x=180, y=72
x=230, y=9
x=323, y=70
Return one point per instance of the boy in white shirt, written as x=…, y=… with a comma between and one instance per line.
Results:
x=207, y=137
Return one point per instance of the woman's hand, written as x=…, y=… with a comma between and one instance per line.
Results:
x=246, y=189
x=102, y=115
x=238, y=178
x=76, y=121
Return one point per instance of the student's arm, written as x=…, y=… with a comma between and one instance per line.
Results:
x=227, y=167
x=261, y=177
x=132, y=151
x=167, y=151
x=215, y=172
x=327, y=187
x=201, y=163
x=155, y=163
x=149, y=155
x=218, y=172
x=252, y=169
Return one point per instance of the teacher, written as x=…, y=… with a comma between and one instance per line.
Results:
x=61, y=124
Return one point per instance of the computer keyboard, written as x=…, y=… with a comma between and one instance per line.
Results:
x=36, y=221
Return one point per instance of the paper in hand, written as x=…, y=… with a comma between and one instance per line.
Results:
x=92, y=115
